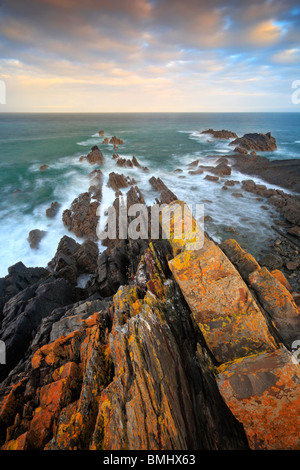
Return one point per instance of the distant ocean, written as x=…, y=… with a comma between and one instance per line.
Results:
x=163, y=142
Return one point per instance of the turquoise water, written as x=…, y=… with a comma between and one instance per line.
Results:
x=163, y=142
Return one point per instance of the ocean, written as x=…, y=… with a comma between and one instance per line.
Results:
x=161, y=141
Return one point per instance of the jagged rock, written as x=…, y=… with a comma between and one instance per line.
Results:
x=53, y=210
x=72, y=259
x=34, y=238
x=223, y=134
x=82, y=218
x=117, y=181
x=257, y=142
x=166, y=195
x=19, y=277
x=222, y=169
x=115, y=141
x=23, y=313
x=94, y=156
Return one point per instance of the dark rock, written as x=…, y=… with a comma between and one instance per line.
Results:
x=257, y=142
x=34, y=238
x=222, y=169
x=271, y=261
x=223, y=134
x=294, y=231
x=240, y=150
x=166, y=195
x=82, y=218
x=53, y=210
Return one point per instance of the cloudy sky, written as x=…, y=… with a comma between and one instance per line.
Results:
x=149, y=55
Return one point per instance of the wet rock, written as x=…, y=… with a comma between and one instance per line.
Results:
x=196, y=172
x=34, y=238
x=271, y=261
x=117, y=181
x=44, y=167
x=223, y=134
x=238, y=195
x=101, y=133
x=257, y=142
x=95, y=156
x=53, y=210
x=82, y=218
x=222, y=169
x=240, y=150
x=211, y=178
x=166, y=195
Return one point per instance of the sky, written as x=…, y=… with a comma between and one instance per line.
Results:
x=149, y=55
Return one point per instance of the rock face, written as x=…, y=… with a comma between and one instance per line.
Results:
x=223, y=134
x=166, y=195
x=257, y=142
x=171, y=351
x=95, y=156
x=53, y=210
x=82, y=218
x=34, y=238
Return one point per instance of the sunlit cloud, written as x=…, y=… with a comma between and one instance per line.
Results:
x=149, y=55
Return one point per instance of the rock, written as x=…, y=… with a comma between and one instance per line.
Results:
x=95, y=156
x=254, y=389
x=44, y=167
x=117, y=181
x=237, y=195
x=230, y=183
x=279, y=304
x=101, y=133
x=166, y=194
x=106, y=140
x=271, y=261
x=82, y=218
x=196, y=172
x=178, y=170
x=211, y=178
x=241, y=150
x=223, y=134
x=23, y=313
x=115, y=141
x=256, y=142
x=243, y=261
x=53, y=210
x=222, y=169
x=295, y=231
x=292, y=265
x=34, y=238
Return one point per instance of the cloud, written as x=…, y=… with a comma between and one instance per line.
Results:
x=173, y=48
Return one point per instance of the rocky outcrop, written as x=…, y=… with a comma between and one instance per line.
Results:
x=95, y=156
x=116, y=141
x=257, y=142
x=166, y=195
x=222, y=169
x=53, y=210
x=127, y=163
x=223, y=134
x=180, y=348
x=82, y=218
x=34, y=238
x=117, y=181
